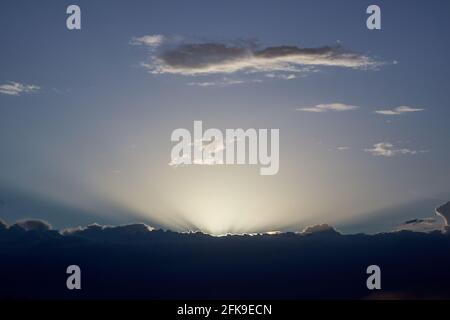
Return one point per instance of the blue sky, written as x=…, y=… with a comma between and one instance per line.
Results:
x=93, y=142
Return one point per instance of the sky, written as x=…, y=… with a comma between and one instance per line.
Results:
x=86, y=115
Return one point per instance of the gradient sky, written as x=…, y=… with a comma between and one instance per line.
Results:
x=92, y=144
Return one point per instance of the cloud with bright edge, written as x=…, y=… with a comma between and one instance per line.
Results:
x=12, y=88
x=332, y=107
x=33, y=224
x=398, y=111
x=439, y=223
x=191, y=58
x=319, y=228
x=444, y=212
x=421, y=225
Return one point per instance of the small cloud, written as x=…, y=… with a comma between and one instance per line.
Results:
x=151, y=41
x=283, y=76
x=15, y=88
x=343, y=148
x=386, y=149
x=71, y=230
x=398, y=111
x=218, y=83
x=332, y=107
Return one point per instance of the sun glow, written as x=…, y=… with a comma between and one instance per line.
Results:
x=211, y=200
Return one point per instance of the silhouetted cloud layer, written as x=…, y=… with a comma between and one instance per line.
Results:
x=137, y=262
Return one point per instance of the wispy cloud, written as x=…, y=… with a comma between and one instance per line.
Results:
x=15, y=88
x=217, y=83
x=398, y=111
x=386, y=149
x=152, y=41
x=332, y=107
x=196, y=58
x=289, y=76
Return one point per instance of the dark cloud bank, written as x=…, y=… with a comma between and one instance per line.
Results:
x=135, y=261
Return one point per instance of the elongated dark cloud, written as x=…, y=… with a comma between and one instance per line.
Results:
x=215, y=57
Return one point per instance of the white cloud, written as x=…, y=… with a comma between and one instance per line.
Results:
x=289, y=76
x=332, y=107
x=152, y=41
x=386, y=149
x=217, y=83
x=398, y=111
x=15, y=88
